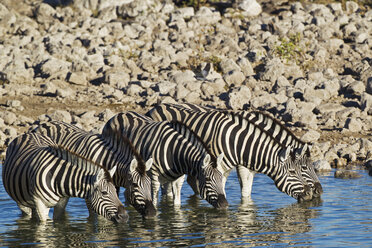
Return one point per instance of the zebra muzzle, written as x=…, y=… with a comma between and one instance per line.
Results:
x=121, y=216
x=318, y=189
x=221, y=202
x=149, y=210
x=307, y=195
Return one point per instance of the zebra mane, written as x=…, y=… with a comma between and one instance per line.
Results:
x=281, y=125
x=199, y=140
x=57, y=147
x=261, y=126
x=141, y=163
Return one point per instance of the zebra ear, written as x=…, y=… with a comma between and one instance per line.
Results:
x=100, y=176
x=219, y=161
x=304, y=149
x=133, y=165
x=285, y=153
x=206, y=161
x=149, y=164
x=113, y=170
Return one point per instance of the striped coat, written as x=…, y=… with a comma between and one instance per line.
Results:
x=246, y=145
x=39, y=174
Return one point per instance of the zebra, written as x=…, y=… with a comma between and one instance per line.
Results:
x=247, y=146
x=173, y=155
x=39, y=174
x=130, y=174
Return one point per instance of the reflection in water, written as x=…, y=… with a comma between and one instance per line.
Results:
x=192, y=224
x=265, y=221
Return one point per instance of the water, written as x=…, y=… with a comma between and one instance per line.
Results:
x=342, y=218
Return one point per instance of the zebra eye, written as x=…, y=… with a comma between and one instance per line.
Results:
x=105, y=193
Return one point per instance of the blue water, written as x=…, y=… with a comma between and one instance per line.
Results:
x=342, y=218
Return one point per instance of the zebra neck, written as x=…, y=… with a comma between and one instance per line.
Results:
x=76, y=174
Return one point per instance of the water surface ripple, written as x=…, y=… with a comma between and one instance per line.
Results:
x=342, y=218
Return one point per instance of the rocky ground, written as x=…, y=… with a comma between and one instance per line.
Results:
x=310, y=65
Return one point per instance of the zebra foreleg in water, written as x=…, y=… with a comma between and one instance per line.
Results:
x=38, y=175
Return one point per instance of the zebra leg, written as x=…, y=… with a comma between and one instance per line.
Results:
x=155, y=186
x=246, y=180
x=59, y=209
x=194, y=184
x=41, y=210
x=176, y=188
x=25, y=210
x=166, y=190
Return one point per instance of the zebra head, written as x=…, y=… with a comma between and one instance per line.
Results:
x=138, y=190
x=103, y=198
x=289, y=178
x=302, y=157
x=212, y=182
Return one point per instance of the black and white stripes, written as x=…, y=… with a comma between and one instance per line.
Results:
x=247, y=144
x=39, y=174
x=131, y=169
x=173, y=155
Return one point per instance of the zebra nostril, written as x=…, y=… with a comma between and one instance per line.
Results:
x=121, y=215
x=222, y=202
x=318, y=189
x=150, y=210
x=306, y=195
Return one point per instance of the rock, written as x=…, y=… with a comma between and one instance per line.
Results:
x=366, y=102
x=346, y=174
x=353, y=124
x=55, y=68
x=106, y=115
x=310, y=136
x=65, y=92
x=273, y=69
x=88, y=118
x=134, y=89
x=239, y=97
x=205, y=16
x=79, y=78
x=330, y=107
x=246, y=67
x=351, y=7
x=183, y=77
x=165, y=87
x=336, y=8
x=250, y=7
x=356, y=87
x=340, y=163
x=8, y=117
x=45, y=13
x=234, y=77
x=117, y=79
x=61, y=115
x=228, y=65
x=322, y=166
x=95, y=61
x=181, y=92
x=15, y=104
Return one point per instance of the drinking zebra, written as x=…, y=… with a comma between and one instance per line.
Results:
x=39, y=174
x=246, y=145
x=131, y=170
x=173, y=155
